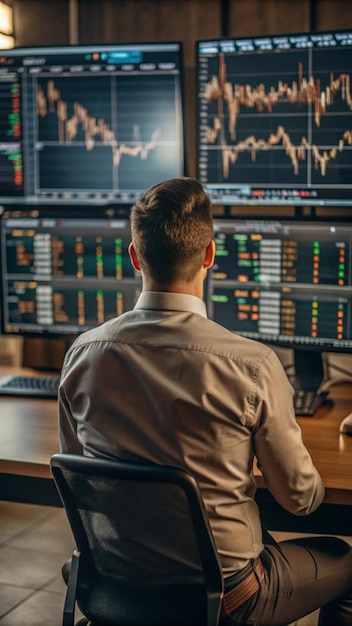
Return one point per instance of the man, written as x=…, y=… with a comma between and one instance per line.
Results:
x=165, y=384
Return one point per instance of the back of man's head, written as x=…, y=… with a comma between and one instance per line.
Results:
x=171, y=229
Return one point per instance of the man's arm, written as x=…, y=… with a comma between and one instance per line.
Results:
x=287, y=467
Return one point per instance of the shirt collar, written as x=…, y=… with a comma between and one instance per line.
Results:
x=167, y=301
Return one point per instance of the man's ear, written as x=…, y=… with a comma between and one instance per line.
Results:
x=209, y=255
x=133, y=257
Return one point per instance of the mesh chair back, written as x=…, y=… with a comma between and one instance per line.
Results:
x=147, y=553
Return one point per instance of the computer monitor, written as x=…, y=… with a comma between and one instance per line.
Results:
x=287, y=283
x=274, y=119
x=90, y=124
x=64, y=273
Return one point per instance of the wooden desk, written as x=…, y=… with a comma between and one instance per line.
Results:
x=331, y=451
x=29, y=437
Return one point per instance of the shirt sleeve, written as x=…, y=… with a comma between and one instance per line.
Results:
x=69, y=442
x=286, y=465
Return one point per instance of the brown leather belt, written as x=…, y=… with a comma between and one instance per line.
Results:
x=242, y=592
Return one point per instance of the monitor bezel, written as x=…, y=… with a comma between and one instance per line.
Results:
x=37, y=51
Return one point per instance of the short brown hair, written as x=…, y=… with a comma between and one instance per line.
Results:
x=171, y=228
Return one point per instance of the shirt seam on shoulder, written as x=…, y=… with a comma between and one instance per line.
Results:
x=255, y=366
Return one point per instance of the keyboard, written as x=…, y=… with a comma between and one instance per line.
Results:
x=307, y=401
x=32, y=386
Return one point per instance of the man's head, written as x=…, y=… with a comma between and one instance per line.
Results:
x=172, y=232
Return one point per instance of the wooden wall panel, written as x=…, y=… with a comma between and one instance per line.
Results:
x=333, y=14
x=46, y=22
x=41, y=22
x=119, y=21
x=264, y=17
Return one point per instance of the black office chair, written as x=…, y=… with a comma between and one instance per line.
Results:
x=145, y=553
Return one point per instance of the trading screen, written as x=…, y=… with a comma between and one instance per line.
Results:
x=64, y=274
x=275, y=119
x=89, y=123
x=284, y=282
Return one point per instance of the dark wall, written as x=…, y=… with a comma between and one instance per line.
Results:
x=47, y=22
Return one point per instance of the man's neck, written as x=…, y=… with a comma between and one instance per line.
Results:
x=195, y=288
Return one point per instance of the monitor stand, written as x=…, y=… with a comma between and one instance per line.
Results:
x=308, y=368
x=306, y=381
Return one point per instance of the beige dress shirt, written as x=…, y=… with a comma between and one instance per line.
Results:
x=164, y=383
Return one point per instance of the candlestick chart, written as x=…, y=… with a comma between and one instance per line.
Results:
x=273, y=120
x=87, y=124
x=104, y=133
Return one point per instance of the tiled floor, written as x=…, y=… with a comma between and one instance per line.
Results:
x=34, y=543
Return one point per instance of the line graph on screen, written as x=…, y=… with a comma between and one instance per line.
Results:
x=296, y=124
x=88, y=127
